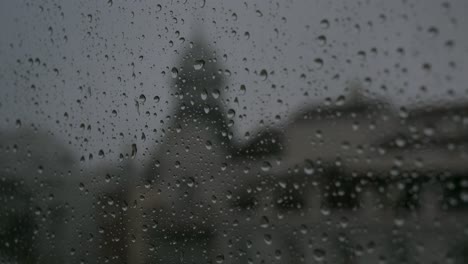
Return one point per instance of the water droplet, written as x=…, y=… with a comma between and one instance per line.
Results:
x=325, y=211
x=318, y=63
x=264, y=74
x=124, y=206
x=278, y=254
x=464, y=196
x=231, y=113
x=134, y=150
x=265, y=222
x=340, y=100
x=215, y=93
x=208, y=145
x=324, y=23
x=433, y=31
x=204, y=95
x=243, y=89
x=309, y=167
x=198, y=65
x=142, y=98
x=191, y=182
x=399, y=222
x=319, y=254
x=266, y=166
x=220, y=259
x=322, y=40
x=174, y=72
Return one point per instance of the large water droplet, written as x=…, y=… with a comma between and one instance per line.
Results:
x=134, y=150
x=309, y=167
x=174, y=72
x=266, y=166
x=198, y=65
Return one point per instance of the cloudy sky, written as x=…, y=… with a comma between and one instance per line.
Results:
x=70, y=66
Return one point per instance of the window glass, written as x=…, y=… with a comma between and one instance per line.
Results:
x=200, y=131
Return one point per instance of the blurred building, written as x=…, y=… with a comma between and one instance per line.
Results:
x=36, y=190
x=349, y=181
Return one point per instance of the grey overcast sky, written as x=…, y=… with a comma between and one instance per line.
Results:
x=67, y=63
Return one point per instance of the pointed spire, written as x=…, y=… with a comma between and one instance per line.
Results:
x=198, y=79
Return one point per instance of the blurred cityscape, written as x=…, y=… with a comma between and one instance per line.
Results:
x=351, y=180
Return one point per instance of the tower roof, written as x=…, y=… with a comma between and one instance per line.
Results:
x=198, y=78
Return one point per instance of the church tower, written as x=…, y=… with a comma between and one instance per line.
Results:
x=198, y=85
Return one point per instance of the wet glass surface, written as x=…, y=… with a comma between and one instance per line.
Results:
x=234, y=132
